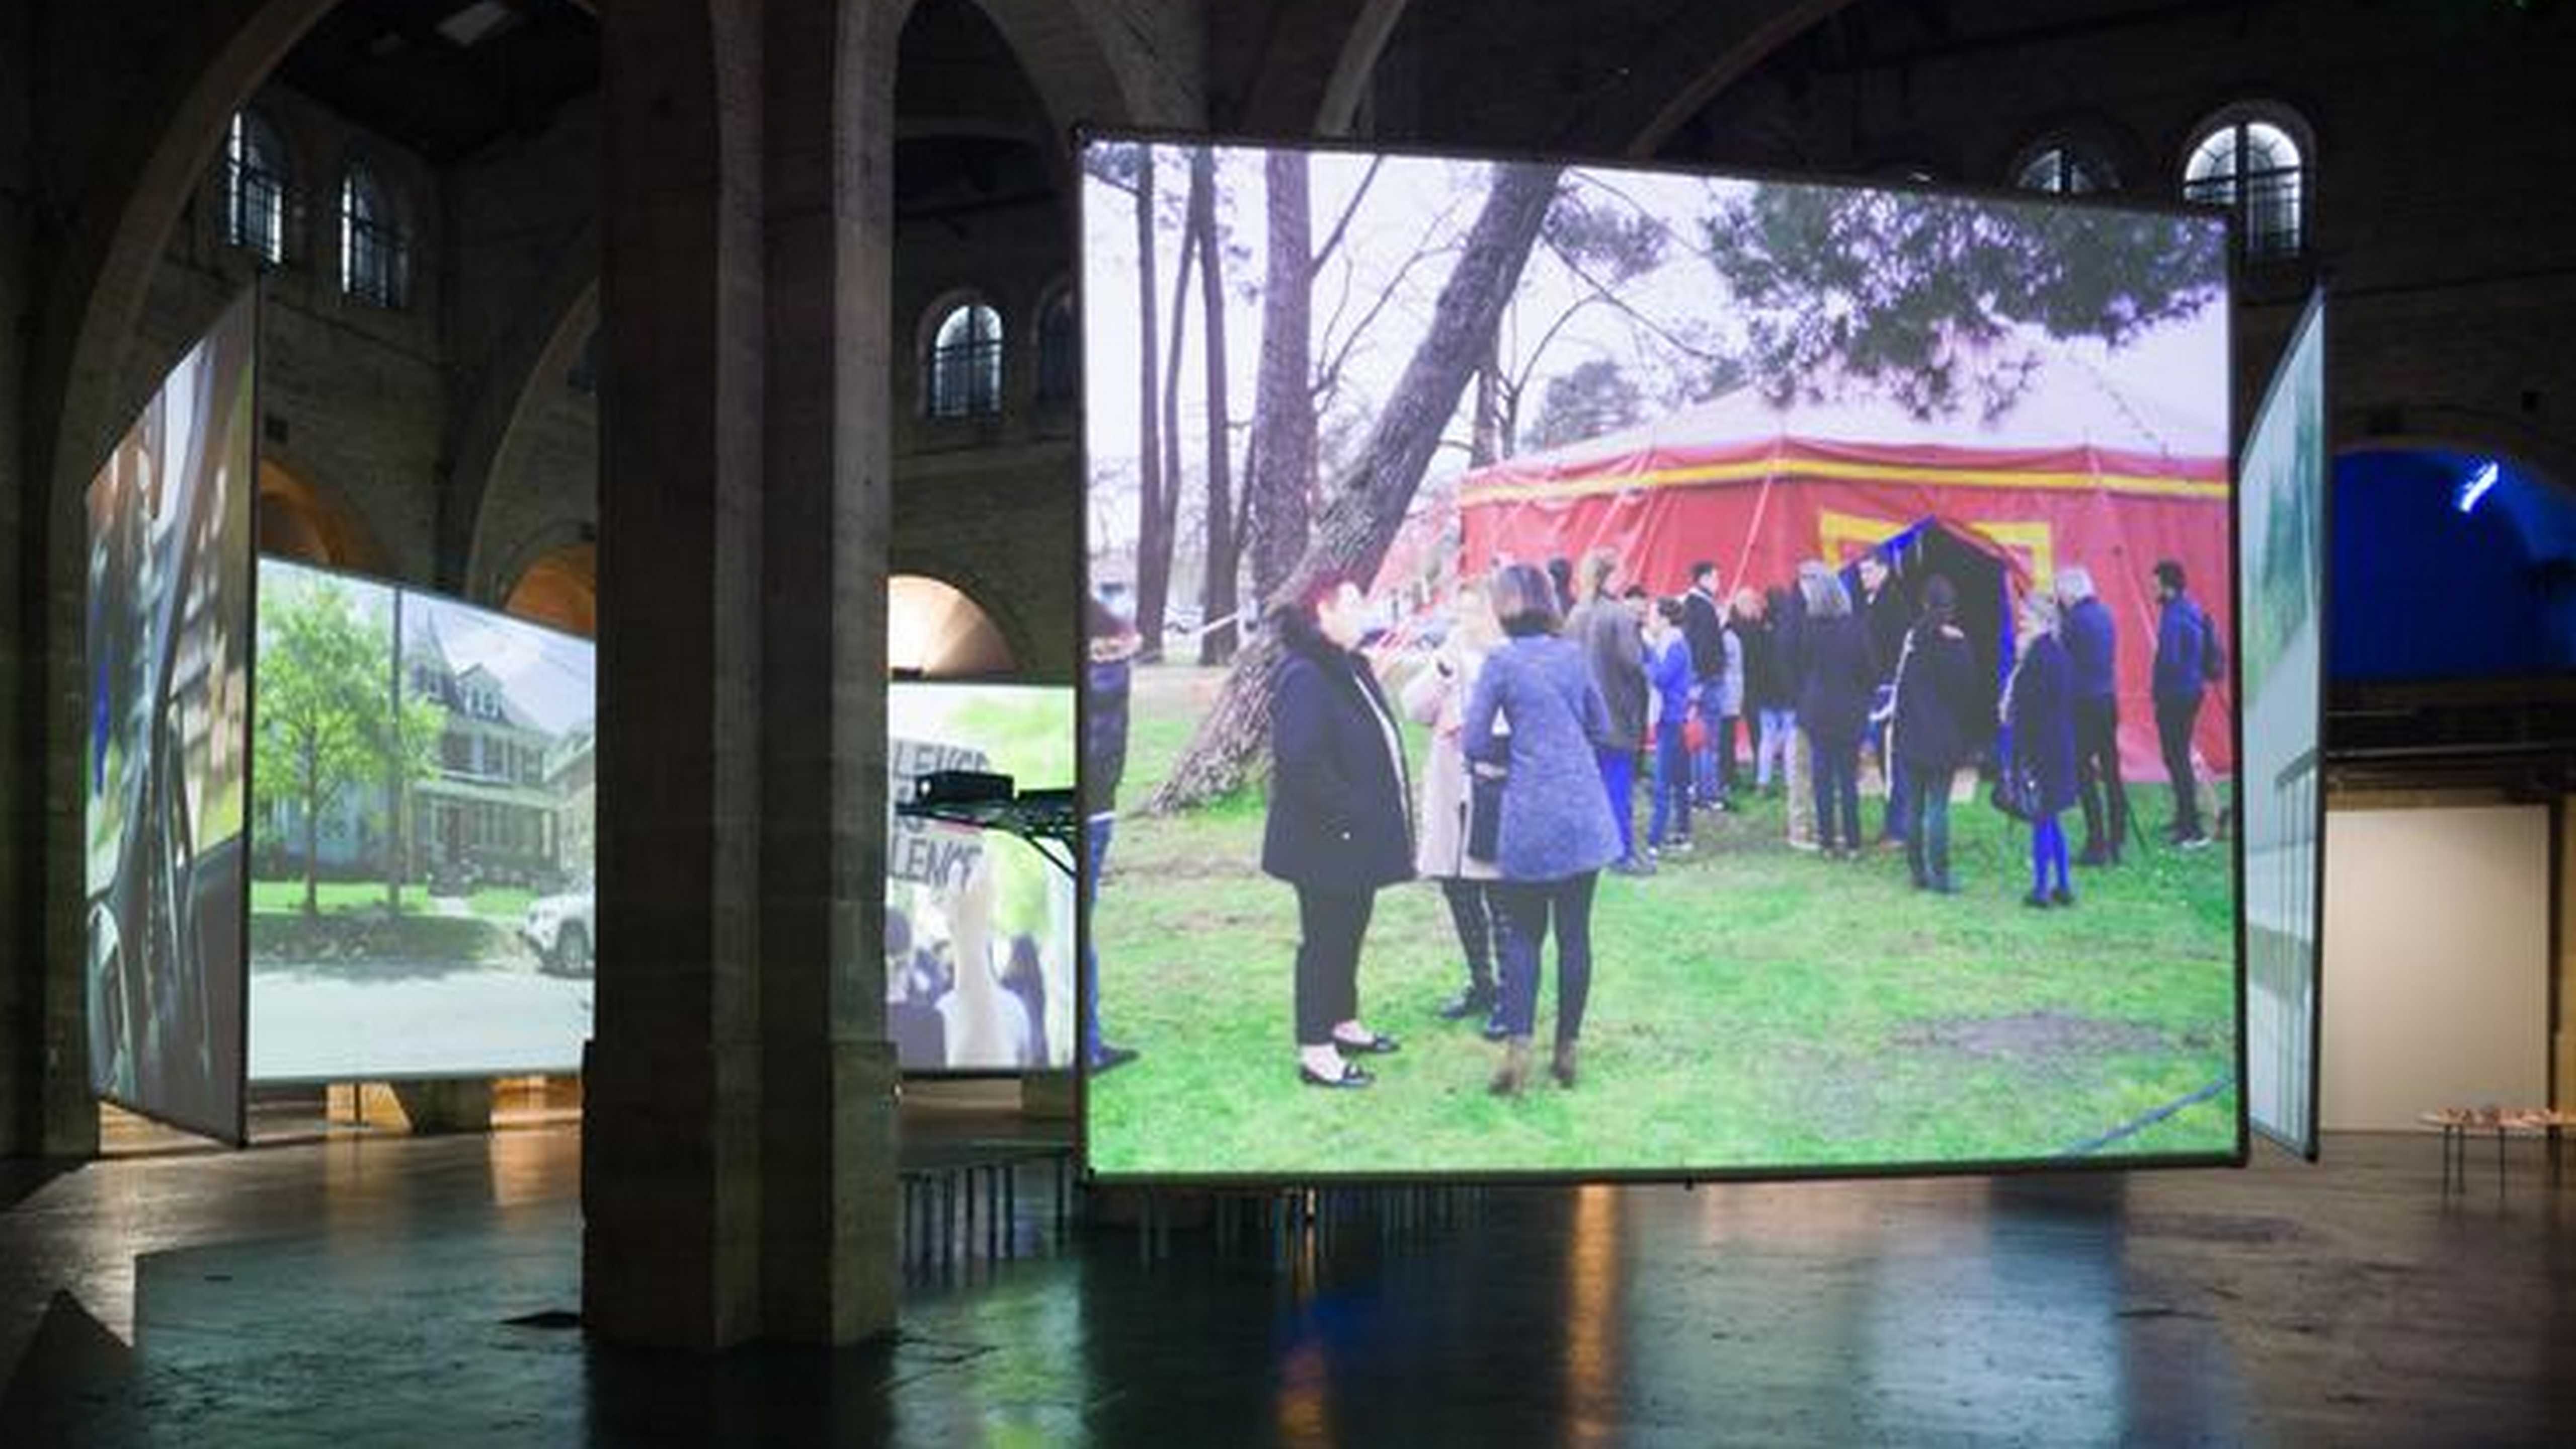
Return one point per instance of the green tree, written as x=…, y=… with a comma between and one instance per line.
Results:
x=1924, y=295
x=1595, y=398
x=328, y=719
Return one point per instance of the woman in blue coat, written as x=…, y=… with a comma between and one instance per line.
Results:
x=1838, y=673
x=1536, y=710
x=1337, y=829
x=2039, y=708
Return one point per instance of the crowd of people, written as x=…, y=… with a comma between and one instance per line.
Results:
x=1550, y=686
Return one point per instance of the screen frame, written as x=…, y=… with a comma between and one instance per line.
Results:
x=396, y=589
x=1086, y=963
x=1073, y=1062
x=254, y=298
x=2311, y=318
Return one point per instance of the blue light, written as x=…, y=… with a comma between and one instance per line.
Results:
x=2476, y=486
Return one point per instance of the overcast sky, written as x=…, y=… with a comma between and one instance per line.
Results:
x=2178, y=372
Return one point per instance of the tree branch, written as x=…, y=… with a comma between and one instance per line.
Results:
x=1605, y=293
x=1333, y=238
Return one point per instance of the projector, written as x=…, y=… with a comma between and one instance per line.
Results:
x=961, y=787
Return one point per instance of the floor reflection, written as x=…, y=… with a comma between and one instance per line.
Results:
x=363, y=1290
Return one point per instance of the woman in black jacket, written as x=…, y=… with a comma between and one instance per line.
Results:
x=1939, y=724
x=1337, y=830
x=1838, y=672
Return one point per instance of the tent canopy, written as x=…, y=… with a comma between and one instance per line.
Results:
x=2075, y=473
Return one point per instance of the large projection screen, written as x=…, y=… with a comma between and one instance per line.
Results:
x=2281, y=525
x=979, y=923
x=421, y=900
x=1411, y=376
x=164, y=769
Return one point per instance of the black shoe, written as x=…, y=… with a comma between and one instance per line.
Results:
x=1472, y=1001
x=1112, y=1056
x=2035, y=901
x=1375, y=1044
x=1353, y=1075
x=2062, y=896
x=1494, y=1030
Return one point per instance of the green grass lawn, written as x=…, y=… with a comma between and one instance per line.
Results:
x=507, y=905
x=355, y=934
x=334, y=897
x=1752, y=1006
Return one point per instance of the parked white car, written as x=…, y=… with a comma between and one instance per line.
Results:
x=559, y=928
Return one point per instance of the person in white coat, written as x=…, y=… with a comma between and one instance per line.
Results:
x=1436, y=698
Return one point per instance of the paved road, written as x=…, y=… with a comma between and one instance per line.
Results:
x=320, y=1025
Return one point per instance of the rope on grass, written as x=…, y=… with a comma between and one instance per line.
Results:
x=2139, y=1124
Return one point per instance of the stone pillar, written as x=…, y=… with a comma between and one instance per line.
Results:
x=21, y=946
x=738, y=1177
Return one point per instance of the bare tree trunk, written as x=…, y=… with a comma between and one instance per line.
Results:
x=1216, y=595
x=1485, y=442
x=1279, y=482
x=1149, y=453
x=312, y=837
x=1356, y=528
x=1167, y=517
x=399, y=773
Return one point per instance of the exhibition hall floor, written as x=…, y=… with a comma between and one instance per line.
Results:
x=364, y=1291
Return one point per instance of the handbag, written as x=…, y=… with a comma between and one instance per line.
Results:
x=1485, y=810
x=2016, y=790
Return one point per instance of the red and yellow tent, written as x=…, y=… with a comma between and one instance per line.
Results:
x=2076, y=475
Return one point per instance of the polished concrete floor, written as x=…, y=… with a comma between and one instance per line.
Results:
x=366, y=1291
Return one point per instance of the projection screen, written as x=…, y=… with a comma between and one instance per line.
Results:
x=163, y=772
x=1568, y=632
x=421, y=900
x=2281, y=508
x=979, y=923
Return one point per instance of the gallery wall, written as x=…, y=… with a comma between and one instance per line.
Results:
x=2437, y=960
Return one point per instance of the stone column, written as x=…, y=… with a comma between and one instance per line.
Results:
x=738, y=1176
x=21, y=946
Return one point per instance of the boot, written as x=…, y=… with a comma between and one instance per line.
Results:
x=1563, y=1067
x=1514, y=1071
x=1476, y=1000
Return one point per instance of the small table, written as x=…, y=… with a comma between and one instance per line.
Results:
x=2456, y=1123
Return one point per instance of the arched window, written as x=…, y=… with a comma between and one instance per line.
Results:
x=1059, y=349
x=2064, y=168
x=935, y=632
x=255, y=187
x=966, y=362
x=2251, y=162
x=375, y=256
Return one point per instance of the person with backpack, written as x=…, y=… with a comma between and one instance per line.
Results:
x=2189, y=659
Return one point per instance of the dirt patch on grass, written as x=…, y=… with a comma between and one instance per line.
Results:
x=2032, y=1035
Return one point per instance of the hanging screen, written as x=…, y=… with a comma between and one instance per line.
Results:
x=421, y=900
x=1606, y=672
x=165, y=761
x=2281, y=502
x=979, y=923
